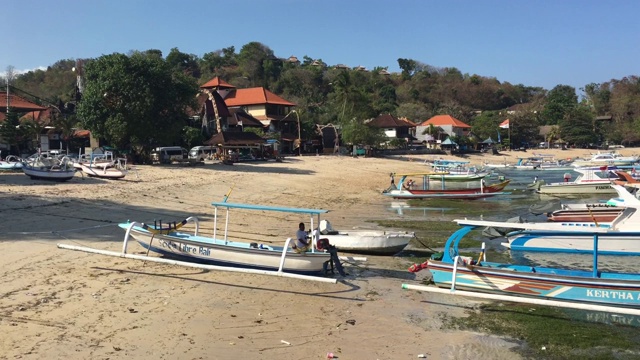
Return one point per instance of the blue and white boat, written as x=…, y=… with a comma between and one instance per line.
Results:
x=620, y=237
x=520, y=281
x=167, y=240
x=41, y=167
x=11, y=163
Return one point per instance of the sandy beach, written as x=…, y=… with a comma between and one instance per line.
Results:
x=63, y=304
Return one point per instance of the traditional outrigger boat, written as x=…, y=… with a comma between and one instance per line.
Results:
x=223, y=251
x=450, y=171
x=606, y=290
x=619, y=237
x=593, y=213
x=44, y=168
x=565, y=284
x=380, y=242
x=406, y=188
x=11, y=162
x=117, y=169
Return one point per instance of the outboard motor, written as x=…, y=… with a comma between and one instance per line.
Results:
x=323, y=244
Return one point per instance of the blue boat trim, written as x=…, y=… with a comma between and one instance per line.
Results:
x=268, y=208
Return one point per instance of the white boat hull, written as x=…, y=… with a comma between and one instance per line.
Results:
x=10, y=165
x=49, y=174
x=104, y=172
x=230, y=253
x=370, y=241
x=580, y=188
x=627, y=244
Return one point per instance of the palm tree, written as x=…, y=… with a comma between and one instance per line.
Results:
x=431, y=130
x=67, y=125
x=553, y=134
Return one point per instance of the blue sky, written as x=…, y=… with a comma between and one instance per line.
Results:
x=536, y=43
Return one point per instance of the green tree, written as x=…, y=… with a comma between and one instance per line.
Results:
x=485, y=125
x=577, y=127
x=408, y=67
x=414, y=112
x=251, y=60
x=560, y=101
x=187, y=63
x=135, y=101
x=191, y=136
x=524, y=129
x=355, y=132
x=11, y=131
x=598, y=98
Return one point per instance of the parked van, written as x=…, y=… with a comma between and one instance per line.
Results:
x=169, y=154
x=200, y=153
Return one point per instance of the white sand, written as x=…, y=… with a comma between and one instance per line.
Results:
x=63, y=304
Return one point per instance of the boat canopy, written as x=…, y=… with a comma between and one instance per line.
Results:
x=268, y=208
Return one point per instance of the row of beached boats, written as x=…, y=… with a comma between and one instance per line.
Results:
x=550, y=163
x=222, y=250
x=44, y=166
x=596, y=229
x=621, y=236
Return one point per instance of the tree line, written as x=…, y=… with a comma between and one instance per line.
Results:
x=144, y=99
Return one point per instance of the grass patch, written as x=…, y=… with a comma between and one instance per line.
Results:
x=552, y=329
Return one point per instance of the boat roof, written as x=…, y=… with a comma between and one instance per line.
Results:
x=422, y=173
x=268, y=208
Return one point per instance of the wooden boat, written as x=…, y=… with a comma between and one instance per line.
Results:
x=454, y=271
x=95, y=159
x=592, y=213
x=107, y=170
x=588, y=182
x=223, y=251
x=406, y=188
x=11, y=163
x=44, y=168
x=626, y=179
x=619, y=237
x=365, y=241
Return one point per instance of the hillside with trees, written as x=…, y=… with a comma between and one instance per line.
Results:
x=144, y=98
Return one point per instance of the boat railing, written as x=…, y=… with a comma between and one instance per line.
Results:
x=285, y=250
x=133, y=224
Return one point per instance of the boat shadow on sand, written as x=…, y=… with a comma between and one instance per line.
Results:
x=188, y=275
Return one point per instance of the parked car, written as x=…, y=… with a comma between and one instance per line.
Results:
x=200, y=153
x=169, y=154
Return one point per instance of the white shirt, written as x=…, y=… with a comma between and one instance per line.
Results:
x=301, y=235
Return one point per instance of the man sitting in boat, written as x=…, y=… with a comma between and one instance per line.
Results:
x=409, y=185
x=302, y=243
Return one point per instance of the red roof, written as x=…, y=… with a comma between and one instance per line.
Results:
x=390, y=121
x=18, y=103
x=216, y=82
x=440, y=120
x=254, y=96
x=82, y=133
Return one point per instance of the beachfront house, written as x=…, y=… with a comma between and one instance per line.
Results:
x=394, y=128
x=446, y=125
x=274, y=113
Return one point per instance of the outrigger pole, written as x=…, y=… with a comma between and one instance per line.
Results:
x=195, y=265
x=516, y=299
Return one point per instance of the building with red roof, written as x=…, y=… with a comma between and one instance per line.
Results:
x=274, y=112
x=445, y=124
x=394, y=128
